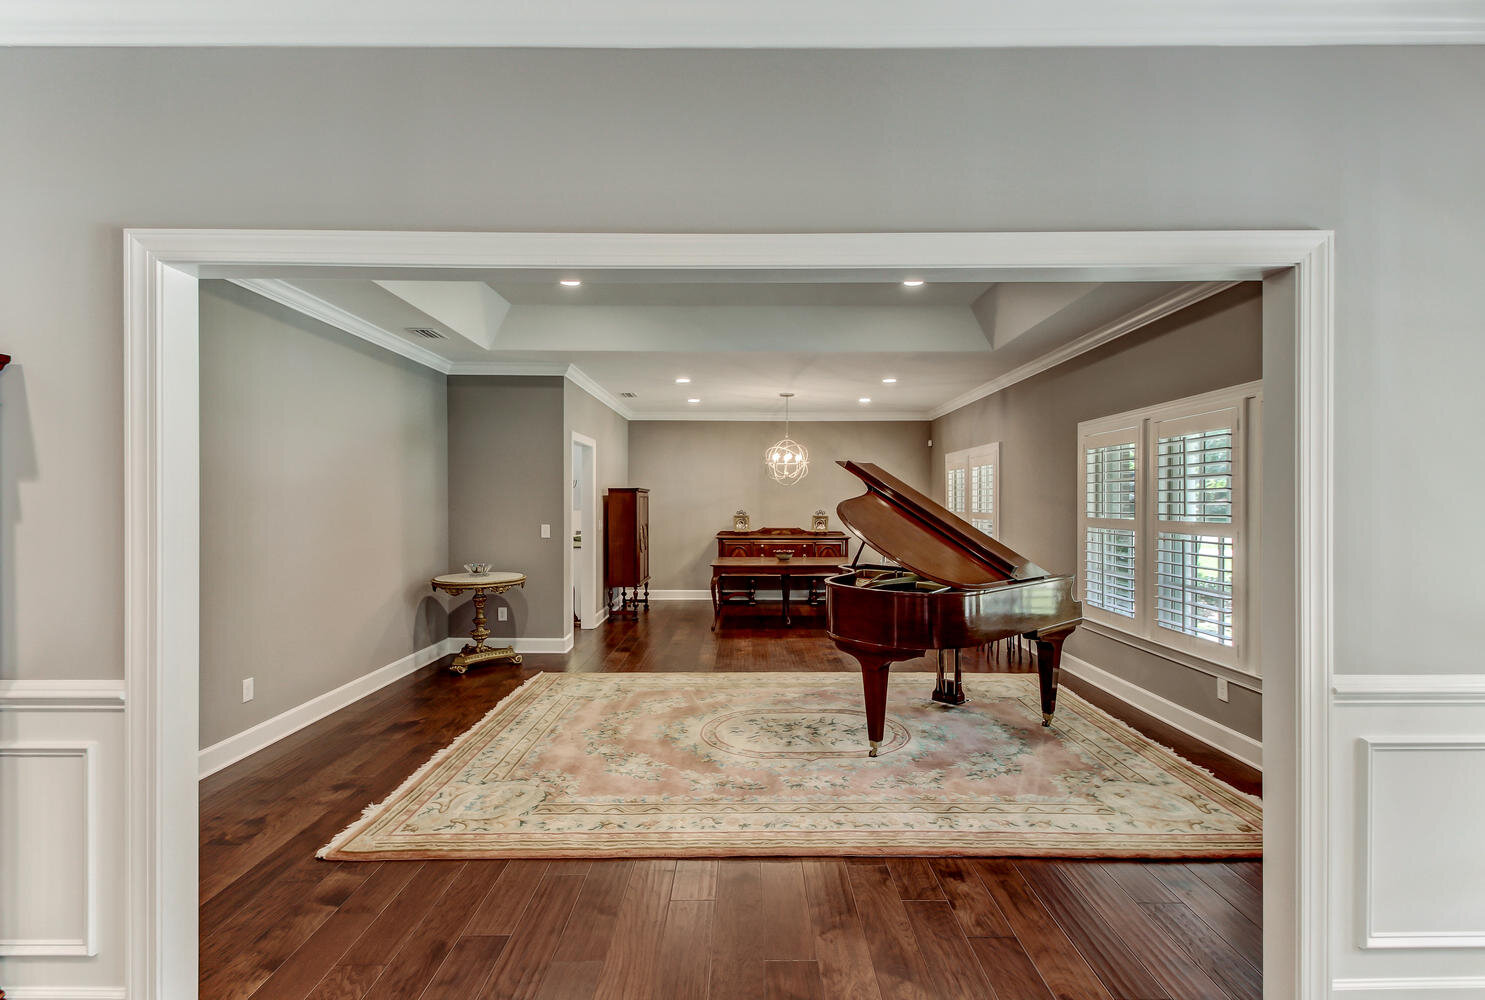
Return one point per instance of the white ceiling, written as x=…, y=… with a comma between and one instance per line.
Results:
x=753, y=24
x=740, y=344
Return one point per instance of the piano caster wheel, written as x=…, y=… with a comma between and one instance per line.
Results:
x=875, y=744
x=1047, y=719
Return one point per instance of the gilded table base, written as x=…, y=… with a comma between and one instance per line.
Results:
x=472, y=654
x=481, y=586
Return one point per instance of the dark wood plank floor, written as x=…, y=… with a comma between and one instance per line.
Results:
x=276, y=924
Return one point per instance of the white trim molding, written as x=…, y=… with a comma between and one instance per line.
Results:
x=162, y=486
x=562, y=644
x=86, y=943
x=268, y=732
x=1409, y=689
x=1418, y=987
x=1229, y=741
x=1150, y=312
x=287, y=294
x=62, y=695
x=822, y=24
x=680, y=595
x=65, y=993
x=293, y=297
x=1371, y=803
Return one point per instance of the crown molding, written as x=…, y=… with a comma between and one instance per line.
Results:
x=553, y=368
x=572, y=373
x=1162, y=307
x=585, y=382
x=315, y=307
x=298, y=299
x=828, y=24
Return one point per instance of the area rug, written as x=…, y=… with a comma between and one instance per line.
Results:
x=745, y=764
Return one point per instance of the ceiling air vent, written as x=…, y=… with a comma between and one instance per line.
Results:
x=629, y=395
x=424, y=332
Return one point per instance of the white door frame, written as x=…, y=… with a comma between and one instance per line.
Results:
x=590, y=613
x=162, y=501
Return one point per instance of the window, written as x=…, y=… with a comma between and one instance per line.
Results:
x=1168, y=523
x=972, y=486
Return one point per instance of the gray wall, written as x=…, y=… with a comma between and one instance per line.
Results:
x=1216, y=343
x=324, y=508
x=586, y=415
x=1382, y=145
x=507, y=457
x=700, y=471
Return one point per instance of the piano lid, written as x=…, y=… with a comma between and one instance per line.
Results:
x=925, y=537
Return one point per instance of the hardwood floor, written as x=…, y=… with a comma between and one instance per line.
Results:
x=276, y=924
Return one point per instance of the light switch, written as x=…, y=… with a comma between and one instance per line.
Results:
x=501, y=614
x=1221, y=688
x=247, y=689
x=546, y=531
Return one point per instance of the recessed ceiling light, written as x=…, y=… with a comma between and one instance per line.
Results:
x=864, y=399
x=573, y=282
x=693, y=400
x=888, y=381
x=682, y=380
x=913, y=282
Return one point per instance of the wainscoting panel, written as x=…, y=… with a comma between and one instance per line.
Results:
x=49, y=860
x=1408, y=808
x=62, y=849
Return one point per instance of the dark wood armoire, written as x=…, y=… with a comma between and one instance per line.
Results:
x=626, y=546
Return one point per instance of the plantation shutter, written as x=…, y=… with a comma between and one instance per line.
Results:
x=1110, y=543
x=972, y=486
x=1197, y=495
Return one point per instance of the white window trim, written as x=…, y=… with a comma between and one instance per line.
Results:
x=1140, y=426
x=967, y=459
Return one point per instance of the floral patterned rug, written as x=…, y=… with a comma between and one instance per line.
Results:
x=674, y=765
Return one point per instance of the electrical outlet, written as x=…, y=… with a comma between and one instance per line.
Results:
x=1221, y=688
x=247, y=689
x=546, y=531
x=501, y=614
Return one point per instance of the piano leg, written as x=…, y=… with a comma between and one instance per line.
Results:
x=874, y=676
x=1048, y=666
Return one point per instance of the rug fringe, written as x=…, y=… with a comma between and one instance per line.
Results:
x=349, y=833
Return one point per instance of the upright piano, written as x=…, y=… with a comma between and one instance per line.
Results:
x=954, y=588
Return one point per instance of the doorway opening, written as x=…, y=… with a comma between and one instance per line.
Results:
x=587, y=610
x=162, y=509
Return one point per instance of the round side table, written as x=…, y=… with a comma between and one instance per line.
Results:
x=481, y=586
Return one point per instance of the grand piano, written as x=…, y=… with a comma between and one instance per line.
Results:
x=955, y=588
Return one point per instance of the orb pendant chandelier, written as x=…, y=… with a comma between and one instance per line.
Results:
x=787, y=460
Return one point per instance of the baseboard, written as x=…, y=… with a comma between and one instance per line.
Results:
x=1213, y=734
x=598, y=620
x=562, y=645
x=265, y=734
x=64, y=993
